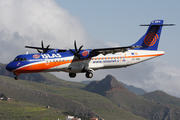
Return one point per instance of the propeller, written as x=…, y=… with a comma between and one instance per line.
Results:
x=77, y=51
x=44, y=50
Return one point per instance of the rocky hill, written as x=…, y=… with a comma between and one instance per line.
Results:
x=102, y=87
x=110, y=88
x=162, y=97
x=137, y=91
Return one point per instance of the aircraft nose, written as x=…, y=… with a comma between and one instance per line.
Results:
x=9, y=67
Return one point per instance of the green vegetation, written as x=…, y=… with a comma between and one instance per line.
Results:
x=162, y=97
x=67, y=99
x=107, y=99
x=17, y=110
x=45, y=78
x=53, y=80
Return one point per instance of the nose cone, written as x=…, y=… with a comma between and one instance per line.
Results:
x=9, y=67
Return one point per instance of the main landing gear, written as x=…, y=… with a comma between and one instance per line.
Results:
x=72, y=75
x=88, y=75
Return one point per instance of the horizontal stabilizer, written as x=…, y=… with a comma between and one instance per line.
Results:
x=158, y=25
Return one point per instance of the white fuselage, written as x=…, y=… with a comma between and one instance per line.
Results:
x=117, y=60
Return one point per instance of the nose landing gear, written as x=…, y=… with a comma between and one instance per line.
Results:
x=16, y=77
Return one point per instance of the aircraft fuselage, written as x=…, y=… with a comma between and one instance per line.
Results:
x=51, y=62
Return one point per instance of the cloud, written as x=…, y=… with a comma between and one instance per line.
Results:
x=112, y=44
x=165, y=77
x=28, y=22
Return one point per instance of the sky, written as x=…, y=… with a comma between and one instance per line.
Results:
x=95, y=24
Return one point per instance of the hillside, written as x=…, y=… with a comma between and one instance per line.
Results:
x=45, y=78
x=162, y=97
x=137, y=91
x=117, y=93
x=66, y=99
x=112, y=101
x=16, y=110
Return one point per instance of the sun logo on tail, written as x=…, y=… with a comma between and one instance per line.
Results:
x=151, y=39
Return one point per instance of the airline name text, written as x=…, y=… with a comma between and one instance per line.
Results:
x=57, y=55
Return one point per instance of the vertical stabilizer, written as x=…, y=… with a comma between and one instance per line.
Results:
x=151, y=38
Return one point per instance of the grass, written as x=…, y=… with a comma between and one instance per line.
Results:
x=62, y=83
x=162, y=97
x=67, y=99
x=17, y=110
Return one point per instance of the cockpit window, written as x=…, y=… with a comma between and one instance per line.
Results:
x=20, y=59
x=16, y=59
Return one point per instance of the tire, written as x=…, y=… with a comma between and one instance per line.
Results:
x=89, y=74
x=72, y=75
x=16, y=78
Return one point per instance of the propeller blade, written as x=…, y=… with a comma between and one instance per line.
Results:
x=45, y=50
x=75, y=45
x=72, y=51
x=39, y=51
x=79, y=56
x=47, y=47
x=79, y=49
x=42, y=44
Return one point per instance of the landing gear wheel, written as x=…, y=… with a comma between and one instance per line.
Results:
x=16, y=78
x=89, y=74
x=72, y=75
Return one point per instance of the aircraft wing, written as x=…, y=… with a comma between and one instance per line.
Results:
x=114, y=50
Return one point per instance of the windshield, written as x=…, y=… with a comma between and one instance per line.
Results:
x=20, y=59
x=16, y=59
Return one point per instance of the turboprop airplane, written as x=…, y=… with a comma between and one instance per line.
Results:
x=87, y=61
